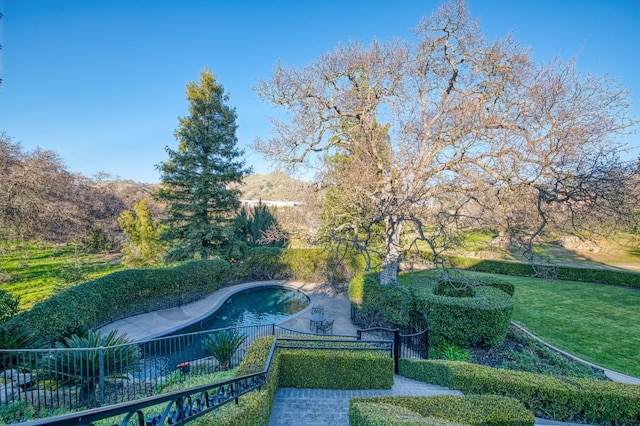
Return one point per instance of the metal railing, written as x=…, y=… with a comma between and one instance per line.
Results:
x=92, y=377
x=179, y=407
x=414, y=345
x=127, y=375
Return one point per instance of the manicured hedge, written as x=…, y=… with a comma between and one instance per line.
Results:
x=602, y=276
x=468, y=410
x=261, y=263
x=375, y=302
x=567, y=399
x=134, y=291
x=335, y=369
x=122, y=294
x=314, y=264
x=466, y=321
x=288, y=369
x=363, y=413
x=266, y=263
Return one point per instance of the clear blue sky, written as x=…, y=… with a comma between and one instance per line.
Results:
x=102, y=82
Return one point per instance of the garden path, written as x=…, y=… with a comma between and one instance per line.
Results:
x=328, y=407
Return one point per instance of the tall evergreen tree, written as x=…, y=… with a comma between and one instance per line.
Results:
x=196, y=177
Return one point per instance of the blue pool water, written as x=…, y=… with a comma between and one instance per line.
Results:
x=258, y=306
x=264, y=305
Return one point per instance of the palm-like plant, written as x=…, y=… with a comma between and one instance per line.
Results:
x=93, y=353
x=17, y=336
x=222, y=345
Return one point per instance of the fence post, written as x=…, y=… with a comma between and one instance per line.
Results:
x=426, y=342
x=396, y=348
x=101, y=361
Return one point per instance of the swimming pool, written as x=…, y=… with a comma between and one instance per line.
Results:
x=261, y=305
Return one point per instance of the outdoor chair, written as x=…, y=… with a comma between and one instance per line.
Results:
x=327, y=327
x=317, y=318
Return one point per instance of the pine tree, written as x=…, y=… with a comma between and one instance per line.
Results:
x=196, y=177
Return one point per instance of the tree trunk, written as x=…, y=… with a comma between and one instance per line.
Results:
x=393, y=250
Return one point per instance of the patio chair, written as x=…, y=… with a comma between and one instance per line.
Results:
x=317, y=318
x=326, y=327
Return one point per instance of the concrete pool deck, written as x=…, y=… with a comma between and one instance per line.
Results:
x=158, y=323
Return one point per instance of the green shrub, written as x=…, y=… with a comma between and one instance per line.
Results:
x=379, y=414
x=222, y=345
x=305, y=264
x=452, y=290
x=534, y=357
x=450, y=352
x=335, y=369
x=256, y=357
x=469, y=410
x=567, y=399
x=378, y=305
x=466, y=321
x=262, y=263
x=18, y=336
x=122, y=294
x=9, y=305
x=16, y=412
x=318, y=264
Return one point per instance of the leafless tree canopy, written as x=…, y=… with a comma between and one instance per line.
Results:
x=429, y=134
x=40, y=199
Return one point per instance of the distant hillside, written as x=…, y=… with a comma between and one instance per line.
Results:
x=274, y=186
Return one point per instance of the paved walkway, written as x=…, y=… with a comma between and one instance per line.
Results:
x=294, y=406
x=324, y=407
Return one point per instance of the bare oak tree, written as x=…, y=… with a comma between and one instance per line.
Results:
x=418, y=138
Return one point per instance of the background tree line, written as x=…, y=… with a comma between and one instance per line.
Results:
x=41, y=199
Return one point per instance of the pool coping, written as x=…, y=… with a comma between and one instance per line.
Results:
x=156, y=324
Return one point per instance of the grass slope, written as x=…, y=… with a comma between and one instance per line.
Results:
x=34, y=271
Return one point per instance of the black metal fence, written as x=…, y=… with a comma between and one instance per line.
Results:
x=91, y=377
x=96, y=377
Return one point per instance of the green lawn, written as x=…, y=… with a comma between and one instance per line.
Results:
x=34, y=271
x=598, y=323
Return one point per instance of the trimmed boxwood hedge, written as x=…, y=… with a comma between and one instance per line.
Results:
x=562, y=399
x=335, y=369
x=601, y=276
x=393, y=304
x=364, y=413
x=267, y=263
x=122, y=294
x=469, y=409
x=135, y=291
x=481, y=320
x=255, y=407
